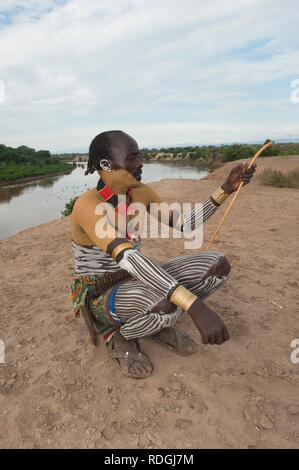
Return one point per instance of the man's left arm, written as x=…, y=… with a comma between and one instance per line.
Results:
x=197, y=216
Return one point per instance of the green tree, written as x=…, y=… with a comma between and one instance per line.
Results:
x=236, y=152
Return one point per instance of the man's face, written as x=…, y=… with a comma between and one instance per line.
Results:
x=126, y=155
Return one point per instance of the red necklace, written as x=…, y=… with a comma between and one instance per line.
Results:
x=112, y=198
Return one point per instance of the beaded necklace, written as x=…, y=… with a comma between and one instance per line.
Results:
x=112, y=198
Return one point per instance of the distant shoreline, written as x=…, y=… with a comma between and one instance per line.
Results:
x=25, y=179
x=205, y=165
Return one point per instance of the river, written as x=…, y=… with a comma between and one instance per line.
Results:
x=36, y=202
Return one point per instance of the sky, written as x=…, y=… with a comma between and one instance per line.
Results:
x=166, y=72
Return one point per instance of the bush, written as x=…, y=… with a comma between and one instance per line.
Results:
x=68, y=209
x=278, y=179
x=236, y=152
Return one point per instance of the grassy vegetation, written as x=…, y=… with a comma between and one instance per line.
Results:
x=13, y=172
x=16, y=163
x=69, y=207
x=278, y=179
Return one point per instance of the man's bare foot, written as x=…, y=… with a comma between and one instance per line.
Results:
x=132, y=362
x=179, y=340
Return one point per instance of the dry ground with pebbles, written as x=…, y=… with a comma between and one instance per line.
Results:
x=57, y=390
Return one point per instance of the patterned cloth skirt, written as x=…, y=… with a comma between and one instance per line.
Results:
x=98, y=292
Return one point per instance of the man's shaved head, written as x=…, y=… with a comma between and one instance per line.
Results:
x=119, y=148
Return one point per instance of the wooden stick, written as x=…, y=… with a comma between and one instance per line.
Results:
x=258, y=153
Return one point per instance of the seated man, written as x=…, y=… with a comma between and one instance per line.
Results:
x=135, y=296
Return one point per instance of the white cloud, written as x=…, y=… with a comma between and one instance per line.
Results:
x=76, y=68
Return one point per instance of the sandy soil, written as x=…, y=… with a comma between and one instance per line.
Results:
x=57, y=390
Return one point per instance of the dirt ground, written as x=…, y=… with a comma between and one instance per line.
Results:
x=58, y=390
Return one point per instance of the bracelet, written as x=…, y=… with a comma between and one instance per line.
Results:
x=219, y=196
x=119, y=248
x=182, y=298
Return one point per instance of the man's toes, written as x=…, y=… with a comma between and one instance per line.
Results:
x=148, y=368
x=191, y=346
x=136, y=369
x=139, y=369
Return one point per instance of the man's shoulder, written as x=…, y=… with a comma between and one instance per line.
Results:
x=87, y=199
x=89, y=195
x=146, y=193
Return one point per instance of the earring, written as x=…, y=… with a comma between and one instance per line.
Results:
x=105, y=165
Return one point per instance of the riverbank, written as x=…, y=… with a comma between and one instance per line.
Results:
x=208, y=165
x=27, y=179
x=58, y=391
